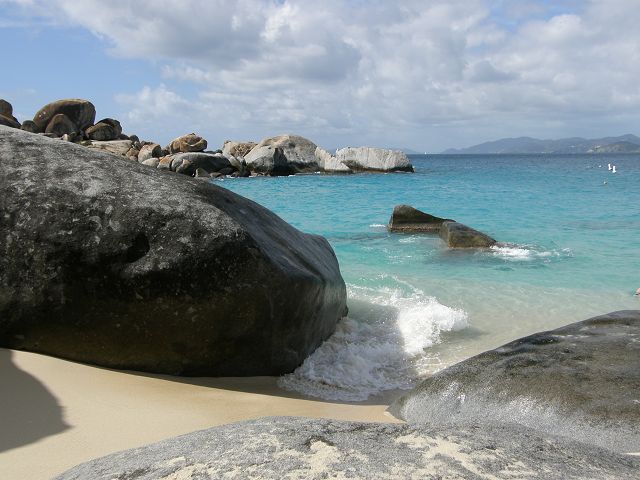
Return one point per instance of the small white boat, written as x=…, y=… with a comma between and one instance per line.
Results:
x=613, y=169
x=608, y=166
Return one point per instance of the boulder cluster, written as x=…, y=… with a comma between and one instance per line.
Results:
x=74, y=120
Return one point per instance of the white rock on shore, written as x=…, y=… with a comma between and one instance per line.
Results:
x=374, y=159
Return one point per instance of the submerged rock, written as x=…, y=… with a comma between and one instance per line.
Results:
x=457, y=235
x=81, y=112
x=408, y=219
x=106, y=261
x=580, y=381
x=284, y=447
x=361, y=159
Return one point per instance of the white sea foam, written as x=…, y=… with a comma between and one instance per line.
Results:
x=380, y=346
x=525, y=253
x=377, y=225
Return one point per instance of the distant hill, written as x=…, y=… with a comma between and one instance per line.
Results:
x=625, y=143
x=617, y=147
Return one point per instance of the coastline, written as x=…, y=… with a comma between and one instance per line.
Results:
x=60, y=413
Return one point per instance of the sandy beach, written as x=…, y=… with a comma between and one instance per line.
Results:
x=55, y=413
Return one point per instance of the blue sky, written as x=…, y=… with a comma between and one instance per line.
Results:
x=425, y=74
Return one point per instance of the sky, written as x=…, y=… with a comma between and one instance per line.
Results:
x=419, y=74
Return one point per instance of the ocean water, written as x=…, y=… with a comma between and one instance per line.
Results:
x=570, y=249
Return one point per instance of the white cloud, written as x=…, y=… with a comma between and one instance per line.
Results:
x=379, y=72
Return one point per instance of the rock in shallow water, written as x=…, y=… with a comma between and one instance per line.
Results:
x=582, y=381
x=106, y=261
x=457, y=235
x=282, y=447
x=408, y=219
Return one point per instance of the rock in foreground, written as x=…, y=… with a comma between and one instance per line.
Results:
x=363, y=159
x=582, y=381
x=408, y=219
x=457, y=235
x=282, y=447
x=106, y=261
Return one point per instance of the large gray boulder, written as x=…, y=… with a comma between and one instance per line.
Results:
x=283, y=155
x=296, y=448
x=361, y=159
x=330, y=164
x=106, y=261
x=81, y=112
x=458, y=235
x=581, y=381
x=405, y=218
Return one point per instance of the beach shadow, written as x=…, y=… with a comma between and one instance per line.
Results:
x=28, y=411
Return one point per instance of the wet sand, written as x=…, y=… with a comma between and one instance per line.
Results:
x=55, y=414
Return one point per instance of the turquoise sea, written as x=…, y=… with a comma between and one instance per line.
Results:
x=570, y=233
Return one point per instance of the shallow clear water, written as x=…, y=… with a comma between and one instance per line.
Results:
x=573, y=244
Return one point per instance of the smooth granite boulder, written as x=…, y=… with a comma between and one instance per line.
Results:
x=30, y=126
x=116, y=147
x=237, y=149
x=266, y=160
x=149, y=150
x=9, y=121
x=188, y=163
x=330, y=164
x=362, y=159
x=81, y=112
x=405, y=218
x=105, y=130
x=6, y=109
x=296, y=448
x=187, y=143
x=283, y=155
x=109, y=262
x=61, y=125
x=581, y=381
x=457, y=235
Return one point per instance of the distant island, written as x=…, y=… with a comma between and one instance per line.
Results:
x=623, y=144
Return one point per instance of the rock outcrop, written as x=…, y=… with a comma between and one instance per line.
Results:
x=370, y=159
x=109, y=262
x=580, y=381
x=81, y=112
x=405, y=218
x=457, y=235
x=72, y=120
x=284, y=447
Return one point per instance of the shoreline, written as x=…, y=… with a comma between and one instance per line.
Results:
x=60, y=413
